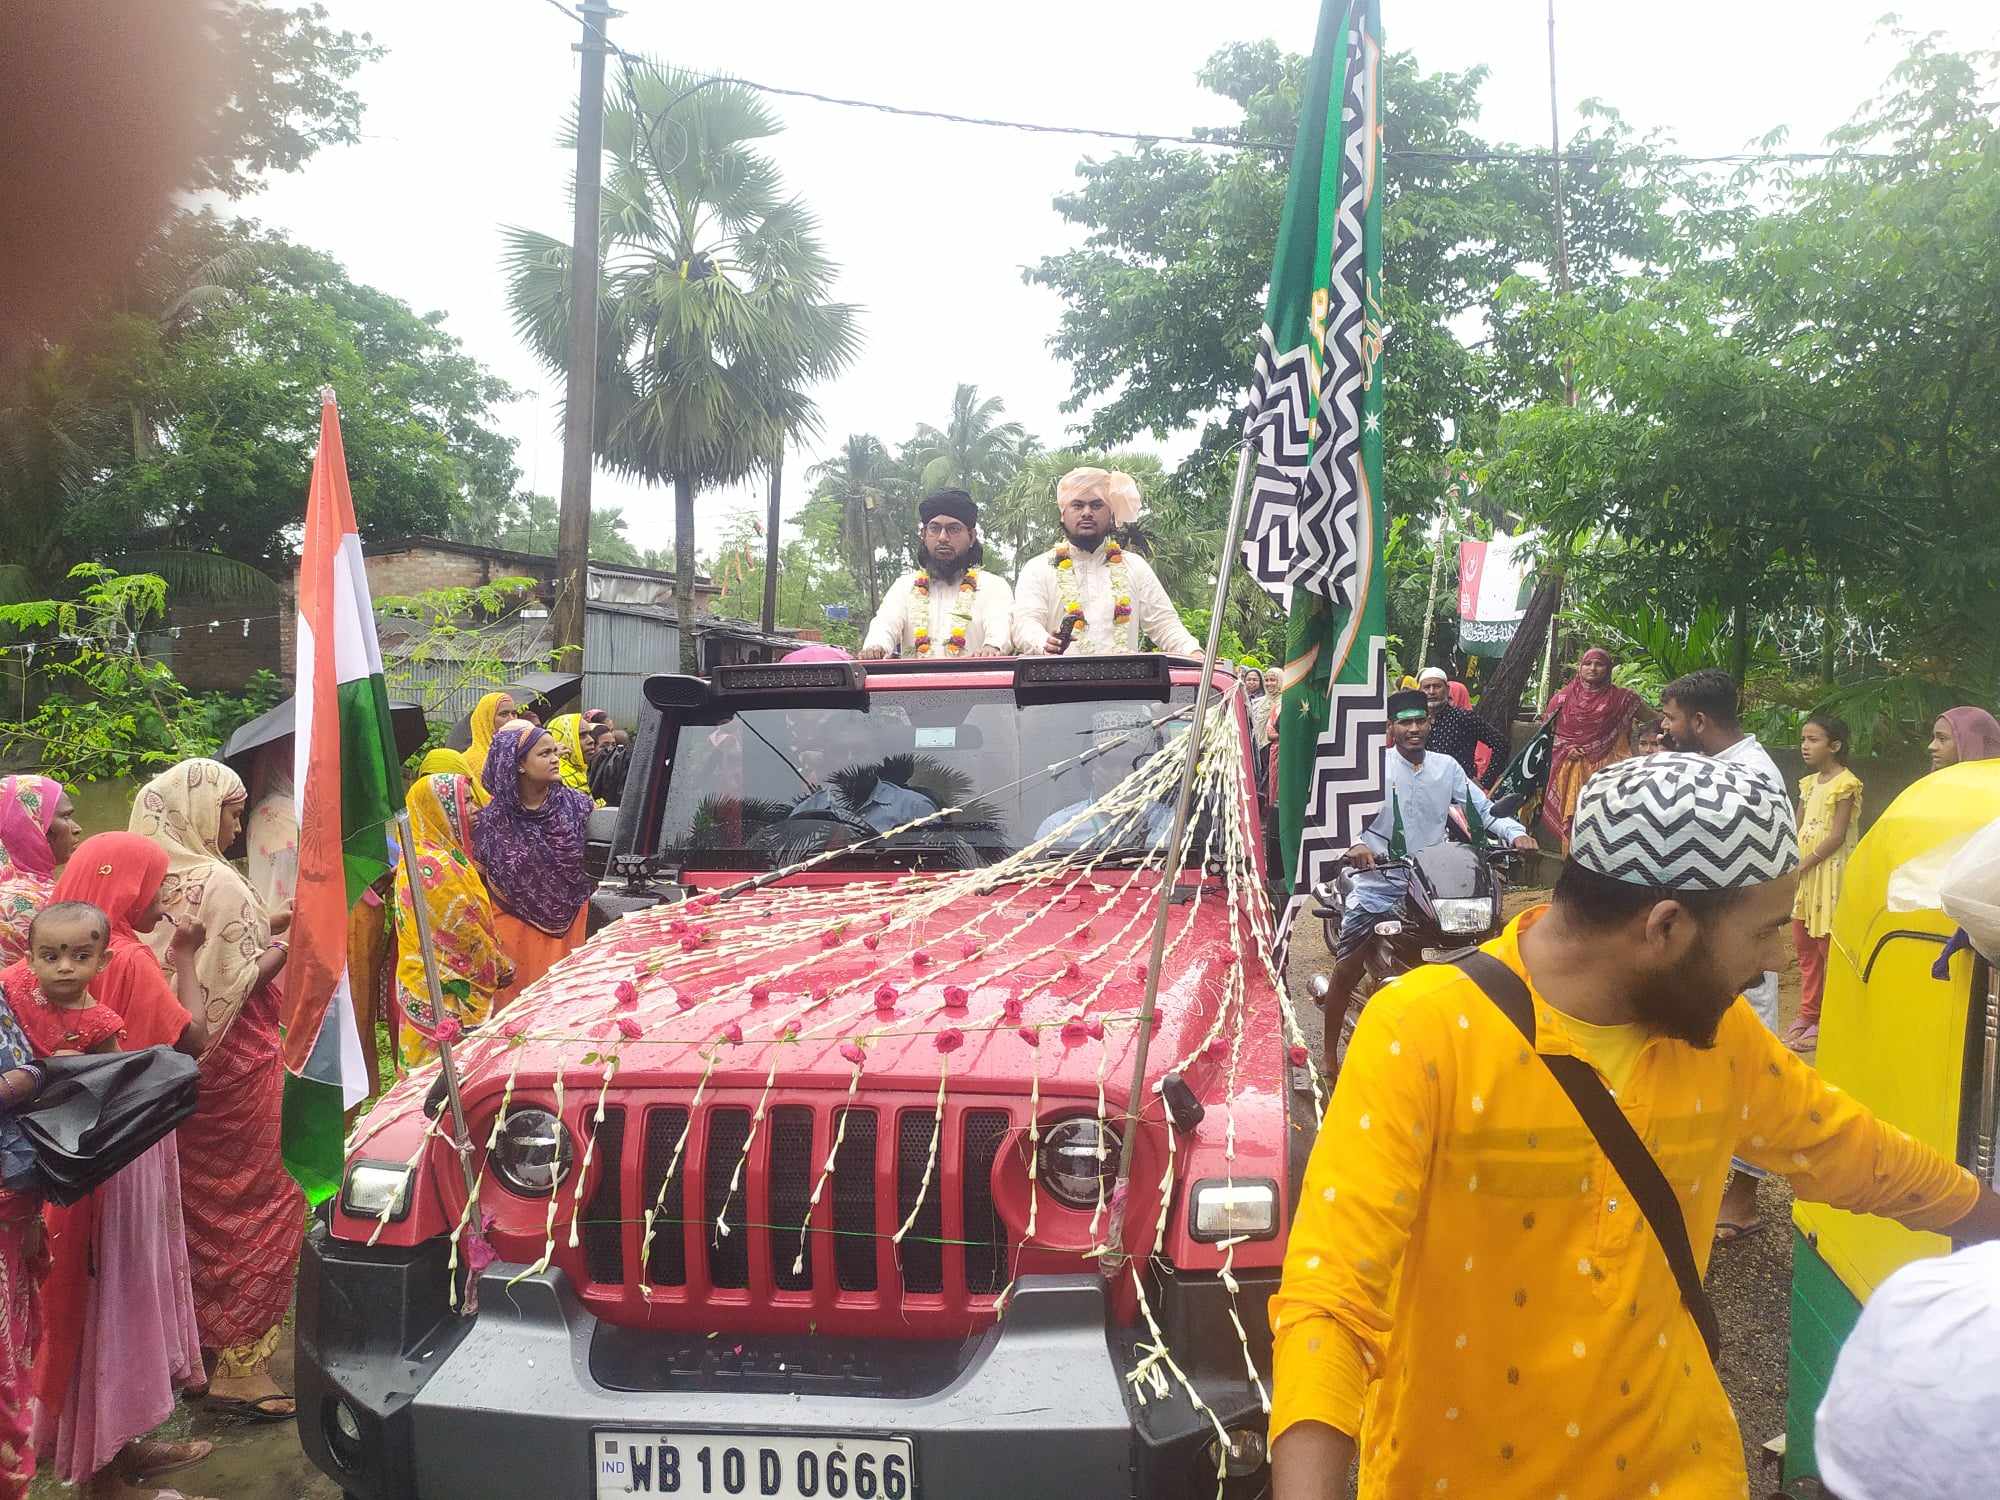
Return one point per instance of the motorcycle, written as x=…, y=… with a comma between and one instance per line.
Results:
x=1453, y=900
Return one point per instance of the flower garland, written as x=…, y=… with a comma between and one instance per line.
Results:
x=1121, y=589
x=961, y=614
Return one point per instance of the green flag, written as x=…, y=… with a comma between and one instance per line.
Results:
x=1475, y=826
x=1399, y=846
x=1317, y=523
x=1527, y=774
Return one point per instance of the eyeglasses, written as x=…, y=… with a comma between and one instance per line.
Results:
x=944, y=529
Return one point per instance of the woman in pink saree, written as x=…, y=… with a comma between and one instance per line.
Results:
x=37, y=832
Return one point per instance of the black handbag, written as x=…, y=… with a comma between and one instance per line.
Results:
x=99, y=1112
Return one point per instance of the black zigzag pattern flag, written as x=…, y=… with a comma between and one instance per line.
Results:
x=1683, y=823
x=1316, y=515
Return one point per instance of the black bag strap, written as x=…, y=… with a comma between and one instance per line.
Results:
x=1620, y=1143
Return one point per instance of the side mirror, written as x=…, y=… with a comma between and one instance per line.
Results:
x=1507, y=806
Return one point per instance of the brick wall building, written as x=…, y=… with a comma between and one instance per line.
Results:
x=226, y=657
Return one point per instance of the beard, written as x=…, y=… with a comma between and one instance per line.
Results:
x=971, y=557
x=1086, y=544
x=1688, y=1006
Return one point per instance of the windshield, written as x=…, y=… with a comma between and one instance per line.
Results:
x=771, y=786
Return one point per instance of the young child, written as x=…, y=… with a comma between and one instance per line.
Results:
x=1646, y=737
x=24, y=1257
x=68, y=944
x=1829, y=825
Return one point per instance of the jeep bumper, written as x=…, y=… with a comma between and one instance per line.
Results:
x=401, y=1398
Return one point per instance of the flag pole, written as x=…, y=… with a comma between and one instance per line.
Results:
x=461, y=1138
x=1114, y=1256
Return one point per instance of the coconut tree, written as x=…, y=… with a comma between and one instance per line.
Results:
x=974, y=451
x=857, y=478
x=714, y=313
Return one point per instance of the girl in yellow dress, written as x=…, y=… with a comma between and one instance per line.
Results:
x=1829, y=826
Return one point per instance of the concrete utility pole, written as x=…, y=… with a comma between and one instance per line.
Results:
x=580, y=392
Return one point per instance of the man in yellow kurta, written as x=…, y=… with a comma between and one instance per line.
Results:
x=1469, y=1289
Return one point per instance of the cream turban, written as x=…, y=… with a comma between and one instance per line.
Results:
x=1119, y=491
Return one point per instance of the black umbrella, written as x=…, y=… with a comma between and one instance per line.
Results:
x=407, y=719
x=547, y=693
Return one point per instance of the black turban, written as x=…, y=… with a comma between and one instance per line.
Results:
x=954, y=503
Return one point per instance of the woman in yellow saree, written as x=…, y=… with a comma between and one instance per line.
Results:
x=443, y=761
x=492, y=711
x=470, y=964
x=568, y=732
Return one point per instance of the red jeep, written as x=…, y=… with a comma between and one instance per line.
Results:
x=797, y=1174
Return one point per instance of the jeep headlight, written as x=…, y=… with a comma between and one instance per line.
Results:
x=533, y=1152
x=1464, y=914
x=1078, y=1160
x=1227, y=1210
x=376, y=1188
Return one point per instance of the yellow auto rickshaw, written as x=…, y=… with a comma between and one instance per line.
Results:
x=1919, y=1051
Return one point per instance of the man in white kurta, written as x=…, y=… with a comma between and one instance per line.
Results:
x=950, y=606
x=1112, y=593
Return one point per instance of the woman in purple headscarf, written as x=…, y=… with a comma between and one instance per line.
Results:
x=528, y=843
x=1964, y=734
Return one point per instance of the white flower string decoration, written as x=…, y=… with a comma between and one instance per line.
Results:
x=948, y=936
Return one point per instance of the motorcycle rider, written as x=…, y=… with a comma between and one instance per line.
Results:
x=1421, y=791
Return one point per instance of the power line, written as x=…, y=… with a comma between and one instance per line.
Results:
x=1220, y=141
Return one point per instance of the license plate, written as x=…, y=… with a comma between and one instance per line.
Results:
x=704, y=1464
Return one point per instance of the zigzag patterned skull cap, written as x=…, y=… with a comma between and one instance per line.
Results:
x=1683, y=823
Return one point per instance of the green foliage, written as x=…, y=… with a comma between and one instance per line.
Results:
x=287, y=74
x=974, y=451
x=1799, y=430
x=714, y=307
x=215, y=716
x=855, y=496
x=812, y=574
x=105, y=709
x=463, y=636
x=181, y=417
x=529, y=523
x=1653, y=650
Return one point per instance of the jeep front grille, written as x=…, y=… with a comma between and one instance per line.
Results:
x=956, y=1257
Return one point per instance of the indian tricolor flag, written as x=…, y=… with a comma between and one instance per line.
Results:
x=347, y=777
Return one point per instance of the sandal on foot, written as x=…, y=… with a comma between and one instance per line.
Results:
x=1803, y=1039
x=151, y=1457
x=1727, y=1233
x=263, y=1409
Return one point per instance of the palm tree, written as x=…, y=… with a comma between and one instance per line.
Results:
x=857, y=478
x=974, y=451
x=713, y=307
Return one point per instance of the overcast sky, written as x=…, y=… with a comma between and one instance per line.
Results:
x=933, y=223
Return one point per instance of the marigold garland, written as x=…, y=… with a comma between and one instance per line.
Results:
x=1072, y=605
x=961, y=614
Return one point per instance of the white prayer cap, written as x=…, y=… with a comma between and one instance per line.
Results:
x=1909, y=1413
x=1431, y=674
x=1683, y=823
